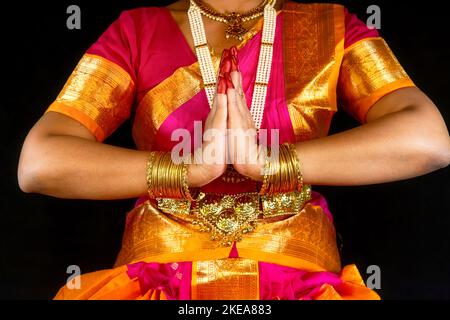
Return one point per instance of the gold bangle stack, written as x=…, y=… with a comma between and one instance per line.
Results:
x=165, y=179
x=282, y=174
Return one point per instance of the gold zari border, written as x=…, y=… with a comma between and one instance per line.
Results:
x=368, y=72
x=225, y=279
x=99, y=94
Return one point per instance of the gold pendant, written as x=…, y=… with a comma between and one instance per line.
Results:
x=235, y=28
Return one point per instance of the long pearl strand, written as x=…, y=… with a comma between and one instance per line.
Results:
x=264, y=62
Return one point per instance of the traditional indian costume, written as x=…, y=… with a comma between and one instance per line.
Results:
x=142, y=68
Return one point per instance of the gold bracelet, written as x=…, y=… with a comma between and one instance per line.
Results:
x=165, y=179
x=280, y=181
x=151, y=181
x=298, y=167
x=293, y=172
x=156, y=178
x=265, y=184
x=283, y=175
x=150, y=163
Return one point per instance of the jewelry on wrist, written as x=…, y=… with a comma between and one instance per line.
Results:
x=165, y=179
x=282, y=174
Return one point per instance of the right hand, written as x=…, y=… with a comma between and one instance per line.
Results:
x=210, y=161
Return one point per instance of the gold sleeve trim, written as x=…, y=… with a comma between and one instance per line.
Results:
x=369, y=71
x=99, y=94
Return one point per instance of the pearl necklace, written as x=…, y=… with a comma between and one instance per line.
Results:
x=264, y=63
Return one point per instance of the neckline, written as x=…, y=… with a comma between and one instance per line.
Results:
x=249, y=35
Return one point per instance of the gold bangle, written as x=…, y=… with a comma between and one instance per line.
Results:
x=293, y=172
x=275, y=168
x=152, y=180
x=287, y=181
x=280, y=181
x=150, y=163
x=298, y=167
x=188, y=193
x=163, y=171
x=156, y=176
x=165, y=179
x=265, y=184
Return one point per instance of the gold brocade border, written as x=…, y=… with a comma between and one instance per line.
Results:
x=369, y=71
x=156, y=106
x=313, y=38
x=99, y=94
x=225, y=279
x=305, y=241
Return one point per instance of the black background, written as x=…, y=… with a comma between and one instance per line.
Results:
x=402, y=227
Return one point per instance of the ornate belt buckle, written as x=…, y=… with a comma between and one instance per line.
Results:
x=227, y=217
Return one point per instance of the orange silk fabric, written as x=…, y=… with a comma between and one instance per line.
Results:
x=114, y=284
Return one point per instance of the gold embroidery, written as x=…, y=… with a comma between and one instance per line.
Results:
x=225, y=279
x=369, y=66
x=99, y=94
x=278, y=205
x=228, y=217
x=312, y=59
x=306, y=240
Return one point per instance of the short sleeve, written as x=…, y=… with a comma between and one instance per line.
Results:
x=369, y=69
x=100, y=91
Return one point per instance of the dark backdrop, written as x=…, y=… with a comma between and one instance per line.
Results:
x=402, y=227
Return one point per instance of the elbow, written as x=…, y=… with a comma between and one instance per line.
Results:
x=33, y=173
x=29, y=176
x=442, y=160
x=437, y=155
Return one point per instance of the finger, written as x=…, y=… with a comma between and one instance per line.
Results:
x=233, y=109
x=234, y=69
x=220, y=117
x=236, y=76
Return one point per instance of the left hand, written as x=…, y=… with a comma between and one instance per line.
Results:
x=242, y=138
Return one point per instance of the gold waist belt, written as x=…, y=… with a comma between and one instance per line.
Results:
x=285, y=229
x=228, y=217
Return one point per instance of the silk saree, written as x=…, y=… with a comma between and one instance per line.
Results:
x=143, y=69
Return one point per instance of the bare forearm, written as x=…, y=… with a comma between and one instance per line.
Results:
x=76, y=168
x=398, y=146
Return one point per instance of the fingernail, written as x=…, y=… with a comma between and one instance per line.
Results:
x=234, y=64
x=225, y=55
x=234, y=59
x=227, y=64
x=222, y=85
x=234, y=51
